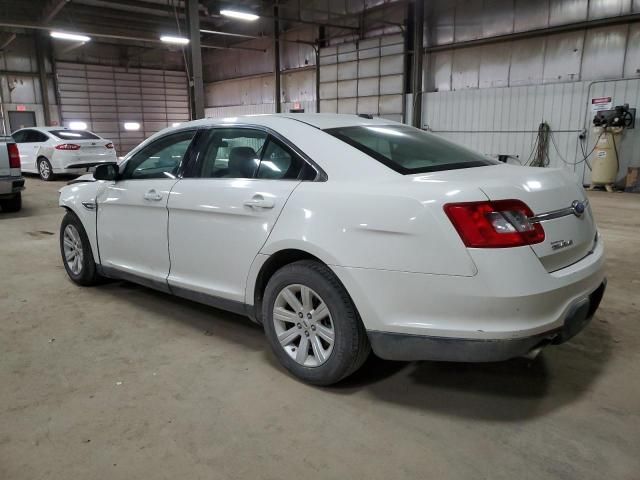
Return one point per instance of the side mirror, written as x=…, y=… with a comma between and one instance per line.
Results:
x=108, y=171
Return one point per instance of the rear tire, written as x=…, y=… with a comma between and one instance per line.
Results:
x=12, y=204
x=328, y=342
x=44, y=169
x=75, y=248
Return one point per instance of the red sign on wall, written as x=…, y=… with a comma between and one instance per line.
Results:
x=21, y=108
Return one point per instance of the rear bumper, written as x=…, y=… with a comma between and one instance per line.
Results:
x=404, y=347
x=76, y=164
x=9, y=186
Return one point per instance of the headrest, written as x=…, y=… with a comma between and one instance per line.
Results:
x=242, y=161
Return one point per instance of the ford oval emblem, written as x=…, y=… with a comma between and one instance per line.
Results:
x=578, y=208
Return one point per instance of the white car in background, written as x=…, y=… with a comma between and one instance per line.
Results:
x=341, y=234
x=48, y=151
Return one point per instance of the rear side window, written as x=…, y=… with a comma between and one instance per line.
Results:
x=19, y=137
x=408, y=150
x=35, y=136
x=279, y=163
x=74, y=135
x=232, y=153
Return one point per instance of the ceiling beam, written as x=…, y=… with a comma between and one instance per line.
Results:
x=52, y=9
x=117, y=37
x=7, y=40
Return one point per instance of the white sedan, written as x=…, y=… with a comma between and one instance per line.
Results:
x=341, y=234
x=53, y=150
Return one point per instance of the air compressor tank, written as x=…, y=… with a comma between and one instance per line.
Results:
x=605, y=157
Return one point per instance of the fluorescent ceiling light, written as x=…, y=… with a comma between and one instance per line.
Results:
x=176, y=40
x=70, y=36
x=132, y=126
x=77, y=125
x=239, y=15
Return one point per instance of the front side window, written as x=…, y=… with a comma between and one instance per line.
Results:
x=408, y=150
x=232, y=153
x=161, y=158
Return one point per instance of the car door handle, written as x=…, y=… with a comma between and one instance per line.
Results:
x=260, y=202
x=153, y=195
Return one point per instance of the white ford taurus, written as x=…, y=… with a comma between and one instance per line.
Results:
x=341, y=234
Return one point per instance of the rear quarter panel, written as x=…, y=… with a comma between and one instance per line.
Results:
x=394, y=225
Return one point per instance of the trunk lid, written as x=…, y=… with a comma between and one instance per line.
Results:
x=92, y=146
x=550, y=194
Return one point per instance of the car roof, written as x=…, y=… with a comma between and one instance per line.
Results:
x=318, y=120
x=45, y=129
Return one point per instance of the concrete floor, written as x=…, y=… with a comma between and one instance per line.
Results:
x=120, y=382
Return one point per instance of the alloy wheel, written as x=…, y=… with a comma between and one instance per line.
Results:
x=73, y=253
x=303, y=325
x=44, y=169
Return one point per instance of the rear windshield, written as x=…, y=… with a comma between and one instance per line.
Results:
x=408, y=150
x=74, y=135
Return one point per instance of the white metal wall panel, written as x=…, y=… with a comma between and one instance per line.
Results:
x=505, y=120
x=106, y=97
x=465, y=20
x=364, y=77
x=594, y=54
x=244, y=96
x=632, y=62
x=604, y=52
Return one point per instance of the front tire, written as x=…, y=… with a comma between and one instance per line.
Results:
x=12, y=204
x=75, y=248
x=45, y=170
x=312, y=325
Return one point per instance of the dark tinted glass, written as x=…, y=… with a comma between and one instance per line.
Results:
x=19, y=137
x=35, y=136
x=408, y=150
x=74, y=135
x=279, y=163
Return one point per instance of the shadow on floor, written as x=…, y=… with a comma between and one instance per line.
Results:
x=510, y=391
x=514, y=390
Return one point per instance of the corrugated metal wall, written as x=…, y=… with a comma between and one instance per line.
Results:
x=364, y=77
x=106, y=97
x=244, y=96
x=493, y=97
x=464, y=20
x=505, y=120
x=19, y=82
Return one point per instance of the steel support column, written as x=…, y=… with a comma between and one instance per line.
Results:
x=416, y=67
x=276, y=58
x=196, y=81
x=42, y=46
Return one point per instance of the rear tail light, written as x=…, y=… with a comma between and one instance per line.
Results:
x=499, y=224
x=109, y=145
x=14, y=155
x=67, y=146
